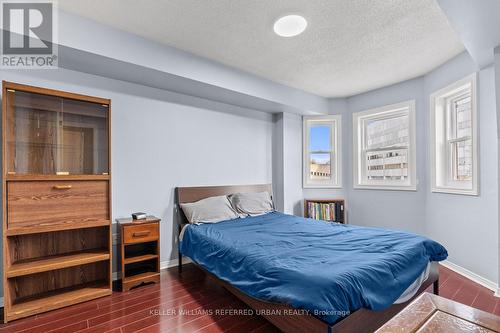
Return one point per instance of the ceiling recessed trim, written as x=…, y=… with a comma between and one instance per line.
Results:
x=290, y=25
x=348, y=47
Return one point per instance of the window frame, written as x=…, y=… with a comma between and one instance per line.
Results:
x=335, y=121
x=441, y=161
x=359, y=149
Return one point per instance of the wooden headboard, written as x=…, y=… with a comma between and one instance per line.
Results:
x=192, y=194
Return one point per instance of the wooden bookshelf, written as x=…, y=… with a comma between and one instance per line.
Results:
x=57, y=248
x=336, y=207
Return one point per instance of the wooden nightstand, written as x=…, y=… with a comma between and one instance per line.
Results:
x=140, y=251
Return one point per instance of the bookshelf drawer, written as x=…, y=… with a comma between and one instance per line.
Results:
x=45, y=203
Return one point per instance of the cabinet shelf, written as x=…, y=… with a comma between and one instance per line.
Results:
x=141, y=277
x=59, y=261
x=139, y=258
x=56, y=227
x=57, y=299
x=30, y=177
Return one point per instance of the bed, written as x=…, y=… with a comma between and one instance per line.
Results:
x=309, y=276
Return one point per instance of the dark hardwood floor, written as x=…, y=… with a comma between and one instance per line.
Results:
x=458, y=288
x=207, y=308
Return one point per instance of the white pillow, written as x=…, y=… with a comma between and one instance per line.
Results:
x=209, y=210
x=252, y=203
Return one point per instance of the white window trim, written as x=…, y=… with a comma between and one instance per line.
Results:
x=454, y=187
x=336, y=145
x=412, y=154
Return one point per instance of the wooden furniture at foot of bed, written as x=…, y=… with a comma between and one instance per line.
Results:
x=360, y=321
x=431, y=313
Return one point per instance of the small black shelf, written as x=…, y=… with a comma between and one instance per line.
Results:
x=136, y=268
x=133, y=250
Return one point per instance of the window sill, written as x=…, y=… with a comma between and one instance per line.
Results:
x=322, y=186
x=386, y=188
x=446, y=190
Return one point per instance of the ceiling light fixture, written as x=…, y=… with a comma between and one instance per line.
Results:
x=290, y=25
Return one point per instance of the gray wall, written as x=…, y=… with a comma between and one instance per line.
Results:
x=294, y=160
x=158, y=145
x=468, y=225
x=185, y=140
x=278, y=162
x=117, y=54
x=287, y=163
x=292, y=171
x=497, y=88
x=403, y=210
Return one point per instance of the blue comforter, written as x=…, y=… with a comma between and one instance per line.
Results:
x=328, y=269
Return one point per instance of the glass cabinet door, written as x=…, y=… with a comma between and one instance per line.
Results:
x=84, y=138
x=54, y=135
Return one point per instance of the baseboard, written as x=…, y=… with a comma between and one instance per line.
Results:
x=172, y=263
x=472, y=276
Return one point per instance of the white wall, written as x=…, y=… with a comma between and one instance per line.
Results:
x=158, y=145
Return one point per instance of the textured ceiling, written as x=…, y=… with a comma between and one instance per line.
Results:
x=349, y=46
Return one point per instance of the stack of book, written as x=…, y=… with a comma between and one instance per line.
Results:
x=330, y=211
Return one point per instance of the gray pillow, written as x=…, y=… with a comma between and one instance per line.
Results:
x=252, y=203
x=209, y=210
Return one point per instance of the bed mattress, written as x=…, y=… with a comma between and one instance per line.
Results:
x=328, y=269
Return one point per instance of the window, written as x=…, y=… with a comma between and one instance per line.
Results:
x=384, y=147
x=454, y=138
x=322, y=164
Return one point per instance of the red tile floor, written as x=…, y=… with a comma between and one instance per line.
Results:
x=146, y=309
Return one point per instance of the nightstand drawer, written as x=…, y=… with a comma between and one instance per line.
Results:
x=140, y=233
